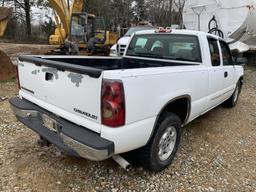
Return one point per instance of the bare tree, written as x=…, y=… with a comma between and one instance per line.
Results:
x=162, y=12
x=140, y=10
x=26, y=6
x=170, y=11
x=180, y=6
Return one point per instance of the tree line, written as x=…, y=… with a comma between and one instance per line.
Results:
x=35, y=25
x=122, y=12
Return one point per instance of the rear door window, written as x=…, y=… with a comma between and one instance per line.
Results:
x=214, y=51
x=166, y=46
x=226, y=54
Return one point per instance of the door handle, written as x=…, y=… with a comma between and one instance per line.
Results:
x=49, y=76
x=226, y=74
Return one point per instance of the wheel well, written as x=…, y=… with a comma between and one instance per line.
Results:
x=241, y=79
x=179, y=106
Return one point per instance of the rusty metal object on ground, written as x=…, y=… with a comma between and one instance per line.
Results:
x=5, y=15
x=7, y=69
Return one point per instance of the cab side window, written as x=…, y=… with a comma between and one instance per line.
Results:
x=214, y=50
x=226, y=54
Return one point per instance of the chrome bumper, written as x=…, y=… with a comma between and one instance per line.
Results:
x=85, y=151
x=33, y=119
x=25, y=113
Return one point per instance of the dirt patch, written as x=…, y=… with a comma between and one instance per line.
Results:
x=17, y=49
x=10, y=52
x=7, y=69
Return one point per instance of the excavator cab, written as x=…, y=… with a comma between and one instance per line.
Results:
x=87, y=27
x=80, y=28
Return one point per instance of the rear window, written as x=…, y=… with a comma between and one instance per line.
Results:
x=172, y=47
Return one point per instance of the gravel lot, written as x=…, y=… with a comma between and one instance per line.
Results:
x=218, y=153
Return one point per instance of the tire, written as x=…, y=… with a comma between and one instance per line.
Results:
x=232, y=101
x=161, y=149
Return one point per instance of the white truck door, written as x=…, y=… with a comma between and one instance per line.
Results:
x=229, y=70
x=216, y=75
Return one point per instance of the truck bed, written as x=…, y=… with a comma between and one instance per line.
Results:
x=92, y=66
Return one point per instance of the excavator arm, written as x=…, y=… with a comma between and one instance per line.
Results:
x=62, y=10
x=63, y=15
x=77, y=6
x=5, y=15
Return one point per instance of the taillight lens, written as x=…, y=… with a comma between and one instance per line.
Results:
x=112, y=103
x=17, y=75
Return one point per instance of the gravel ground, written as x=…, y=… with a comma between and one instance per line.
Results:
x=218, y=153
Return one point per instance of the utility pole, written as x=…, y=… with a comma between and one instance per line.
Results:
x=198, y=10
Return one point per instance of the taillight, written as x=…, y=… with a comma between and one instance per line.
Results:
x=17, y=75
x=112, y=103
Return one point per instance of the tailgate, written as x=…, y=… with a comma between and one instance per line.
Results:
x=69, y=91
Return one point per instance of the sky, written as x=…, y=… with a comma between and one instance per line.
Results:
x=38, y=14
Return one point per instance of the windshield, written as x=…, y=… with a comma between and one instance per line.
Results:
x=78, y=24
x=166, y=46
x=135, y=29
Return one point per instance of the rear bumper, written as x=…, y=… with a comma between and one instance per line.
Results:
x=69, y=137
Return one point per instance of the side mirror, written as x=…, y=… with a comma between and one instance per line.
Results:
x=240, y=61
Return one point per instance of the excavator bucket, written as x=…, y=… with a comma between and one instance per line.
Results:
x=5, y=15
x=7, y=69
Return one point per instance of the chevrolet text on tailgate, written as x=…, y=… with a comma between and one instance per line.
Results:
x=100, y=107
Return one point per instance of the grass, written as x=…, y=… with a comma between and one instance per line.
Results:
x=8, y=81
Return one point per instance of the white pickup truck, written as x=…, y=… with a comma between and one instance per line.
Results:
x=117, y=50
x=99, y=107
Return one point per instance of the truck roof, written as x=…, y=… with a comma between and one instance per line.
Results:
x=177, y=31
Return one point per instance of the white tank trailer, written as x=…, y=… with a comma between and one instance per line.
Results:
x=234, y=20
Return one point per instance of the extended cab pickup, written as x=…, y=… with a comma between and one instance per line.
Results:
x=98, y=107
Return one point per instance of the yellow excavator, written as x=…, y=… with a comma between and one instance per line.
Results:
x=78, y=28
x=7, y=70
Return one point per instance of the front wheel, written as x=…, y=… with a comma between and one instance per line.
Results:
x=160, y=151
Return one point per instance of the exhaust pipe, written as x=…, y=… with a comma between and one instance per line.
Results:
x=122, y=162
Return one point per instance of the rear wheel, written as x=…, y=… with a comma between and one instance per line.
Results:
x=232, y=101
x=160, y=151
